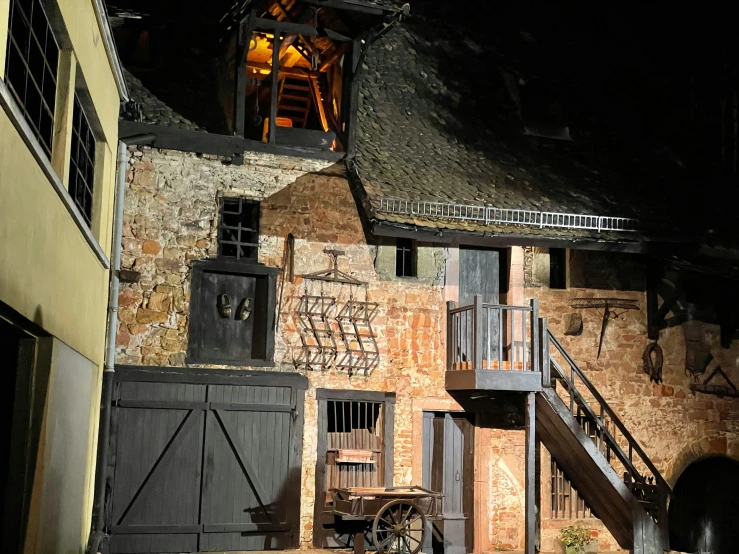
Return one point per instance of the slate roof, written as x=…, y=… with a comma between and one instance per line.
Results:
x=154, y=110
x=435, y=123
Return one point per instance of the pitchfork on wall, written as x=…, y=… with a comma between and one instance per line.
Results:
x=609, y=307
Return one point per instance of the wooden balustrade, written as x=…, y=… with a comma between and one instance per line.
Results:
x=486, y=336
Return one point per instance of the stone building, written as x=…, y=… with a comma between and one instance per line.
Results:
x=285, y=324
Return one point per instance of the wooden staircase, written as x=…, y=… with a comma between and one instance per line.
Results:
x=566, y=413
x=294, y=99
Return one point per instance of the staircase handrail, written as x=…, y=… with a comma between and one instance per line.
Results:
x=633, y=444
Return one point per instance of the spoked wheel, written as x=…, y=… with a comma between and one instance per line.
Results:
x=399, y=527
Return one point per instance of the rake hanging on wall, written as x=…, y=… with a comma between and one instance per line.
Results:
x=609, y=307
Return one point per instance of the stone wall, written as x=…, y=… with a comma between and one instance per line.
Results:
x=171, y=219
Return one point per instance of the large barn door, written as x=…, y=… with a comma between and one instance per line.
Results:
x=248, y=484
x=204, y=466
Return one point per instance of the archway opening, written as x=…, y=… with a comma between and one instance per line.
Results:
x=704, y=510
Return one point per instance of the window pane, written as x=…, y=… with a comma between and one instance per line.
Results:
x=31, y=66
x=82, y=162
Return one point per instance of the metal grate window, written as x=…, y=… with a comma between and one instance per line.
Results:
x=355, y=450
x=238, y=230
x=405, y=258
x=82, y=167
x=31, y=66
x=566, y=502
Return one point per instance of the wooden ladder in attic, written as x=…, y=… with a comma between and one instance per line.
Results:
x=294, y=99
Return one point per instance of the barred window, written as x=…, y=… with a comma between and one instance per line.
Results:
x=31, y=66
x=238, y=230
x=566, y=501
x=82, y=166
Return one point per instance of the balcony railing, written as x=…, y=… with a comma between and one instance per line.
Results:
x=492, y=337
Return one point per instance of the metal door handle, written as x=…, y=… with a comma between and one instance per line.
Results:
x=456, y=476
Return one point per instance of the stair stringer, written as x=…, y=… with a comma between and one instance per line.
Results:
x=594, y=478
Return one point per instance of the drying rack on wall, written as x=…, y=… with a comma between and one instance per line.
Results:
x=321, y=320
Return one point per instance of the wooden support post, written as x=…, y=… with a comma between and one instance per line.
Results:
x=531, y=468
x=450, y=305
x=246, y=29
x=275, y=85
x=478, y=333
x=535, y=337
x=545, y=364
x=61, y=142
x=351, y=102
x=652, y=300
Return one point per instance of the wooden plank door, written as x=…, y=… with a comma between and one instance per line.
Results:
x=249, y=486
x=205, y=467
x=479, y=273
x=448, y=466
x=157, y=452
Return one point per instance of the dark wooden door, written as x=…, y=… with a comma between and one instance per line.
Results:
x=448, y=466
x=204, y=466
x=225, y=338
x=479, y=273
x=704, y=510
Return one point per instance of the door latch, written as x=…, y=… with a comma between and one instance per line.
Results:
x=456, y=476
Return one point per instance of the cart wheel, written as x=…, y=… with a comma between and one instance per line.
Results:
x=399, y=527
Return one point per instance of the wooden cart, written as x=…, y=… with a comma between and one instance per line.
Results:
x=397, y=515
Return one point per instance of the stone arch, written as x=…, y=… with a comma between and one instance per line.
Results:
x=718, y=444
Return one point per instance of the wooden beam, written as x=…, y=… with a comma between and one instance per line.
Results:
x=242, y=46
x=296, y=71
x=316, y=89
x=336, y=53
x=348, y=5
x=275, y=85
x=61, y=142
x=653, y=276
x=531, y=479
x=289, y=27
x=186, y=140
x=351, y=88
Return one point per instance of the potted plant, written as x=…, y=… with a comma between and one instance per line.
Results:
x=575, y=539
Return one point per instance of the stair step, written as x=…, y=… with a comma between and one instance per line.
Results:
x=294, y=97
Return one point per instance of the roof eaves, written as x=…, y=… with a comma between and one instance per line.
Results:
x=110, y=49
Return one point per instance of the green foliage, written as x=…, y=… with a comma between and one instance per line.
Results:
x=574, y=535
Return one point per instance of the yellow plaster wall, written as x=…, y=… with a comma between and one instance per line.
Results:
x=4, y=15
x=87, y=43
x=48, y=272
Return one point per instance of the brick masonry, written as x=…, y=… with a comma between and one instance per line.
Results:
x=171, y=219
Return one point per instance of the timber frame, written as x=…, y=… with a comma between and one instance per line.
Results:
x=324, y=395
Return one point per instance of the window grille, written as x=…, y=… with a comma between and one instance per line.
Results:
x=566, y=501
x=354, y=427
x=31, y=67
x=405, y=254
x=82, y=167
x=238, y=230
